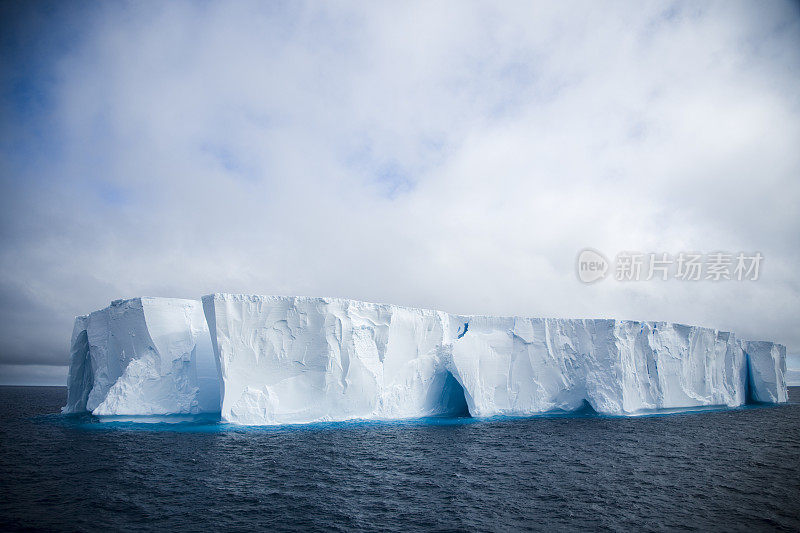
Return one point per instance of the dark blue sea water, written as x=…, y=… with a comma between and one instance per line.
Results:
x=713, y=470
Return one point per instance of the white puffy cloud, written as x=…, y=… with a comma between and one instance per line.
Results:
x=447, y=155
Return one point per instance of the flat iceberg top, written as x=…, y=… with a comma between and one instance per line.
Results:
x=294, y=359
x=256, y=298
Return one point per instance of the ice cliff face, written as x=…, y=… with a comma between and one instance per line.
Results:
x=298, y=359
x=143, y=356
x=767, y=371
x=521, y=365
x=287, y=359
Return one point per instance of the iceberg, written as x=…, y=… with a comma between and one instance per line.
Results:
x=766, y=371
x=143, y=356
x=296, y=359
x=521, y=366
x=260, y=360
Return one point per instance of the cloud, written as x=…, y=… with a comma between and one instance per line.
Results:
x=428, y=155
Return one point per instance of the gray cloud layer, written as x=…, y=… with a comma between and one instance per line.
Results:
x=439, y=155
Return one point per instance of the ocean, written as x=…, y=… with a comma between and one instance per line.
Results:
x=712, y=470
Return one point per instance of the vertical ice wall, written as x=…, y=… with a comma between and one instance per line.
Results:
x=521, y=366
x=274, y=359
x=80, y=379
x=292, y=359
x=296, y=359
x=143, y=356
x=766, y=371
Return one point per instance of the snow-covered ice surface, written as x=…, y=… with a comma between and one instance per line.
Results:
x=143, y=356
x=279, y=359
x=300, y=359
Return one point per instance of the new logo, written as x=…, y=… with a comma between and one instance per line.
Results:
x=592, y=266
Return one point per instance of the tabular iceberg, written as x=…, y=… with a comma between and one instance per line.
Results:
x=279, y=359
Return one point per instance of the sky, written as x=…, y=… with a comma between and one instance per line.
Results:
x=447, y=155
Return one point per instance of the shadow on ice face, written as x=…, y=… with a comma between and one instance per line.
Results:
x=446, y=397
